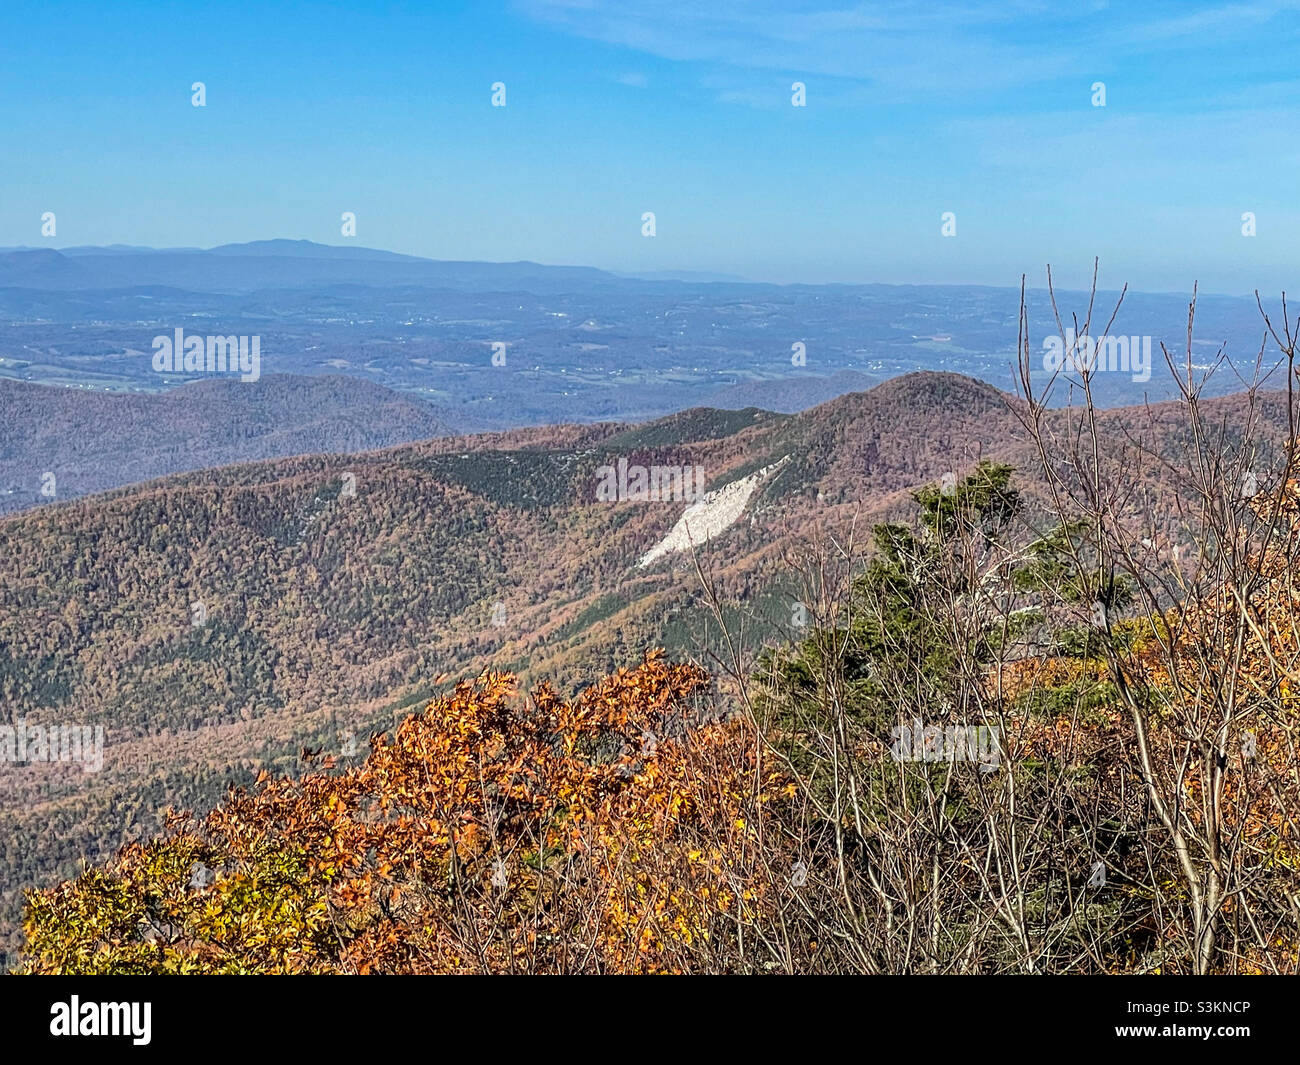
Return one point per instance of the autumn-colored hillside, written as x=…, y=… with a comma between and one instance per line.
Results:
x=215, y=623
x=91, y=441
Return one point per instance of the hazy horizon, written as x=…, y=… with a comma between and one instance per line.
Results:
x=990, y=117
x=1035, y=279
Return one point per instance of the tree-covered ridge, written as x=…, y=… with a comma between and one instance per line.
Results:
x=335, y=605
x=656, y=824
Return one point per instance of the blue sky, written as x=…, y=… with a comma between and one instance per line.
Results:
x=616, y=107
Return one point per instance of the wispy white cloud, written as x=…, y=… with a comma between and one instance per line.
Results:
x=904, y=48
x=1233, y=19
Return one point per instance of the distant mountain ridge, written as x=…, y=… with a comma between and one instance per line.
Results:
x=92, y=441
x=275, y=263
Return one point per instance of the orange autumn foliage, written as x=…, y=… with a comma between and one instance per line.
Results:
x=488, y=834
